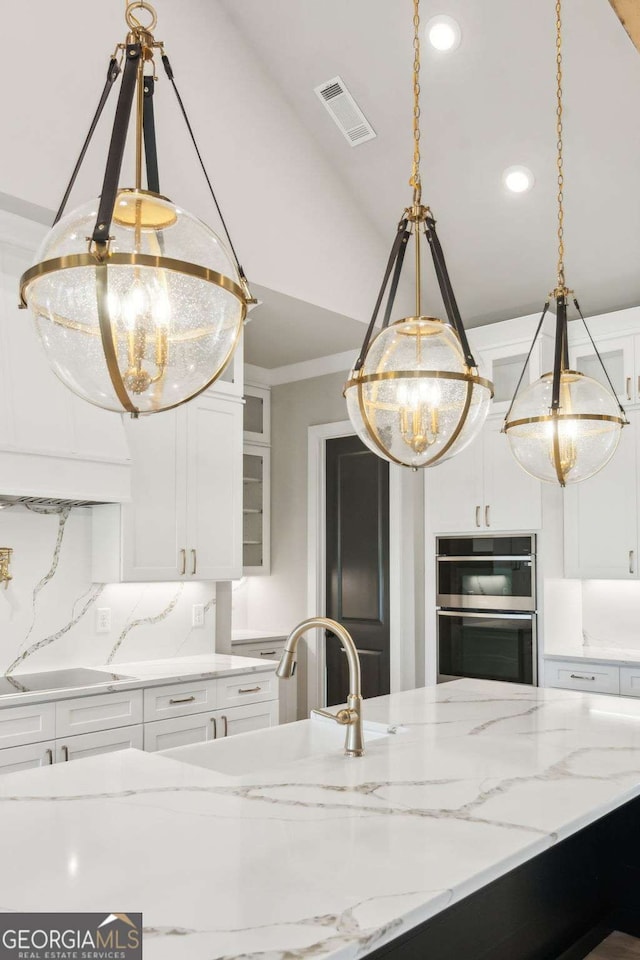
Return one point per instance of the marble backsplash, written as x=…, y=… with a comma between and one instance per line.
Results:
x=591, y=613
x=48, y=612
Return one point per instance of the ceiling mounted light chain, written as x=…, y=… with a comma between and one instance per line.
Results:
x=138, y=304
x=414, y=395
x=564, y=427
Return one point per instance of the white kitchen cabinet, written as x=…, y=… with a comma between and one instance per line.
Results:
x=101, y=741
x=20, y=726
x=252, y=716
x=235, y=691
x=179, y=699
x=179, y=731
x=256, y=510
x=257, y=414
x=103, y=711
x=589, y=677
x=185, y=520
x=28, y=757
x=601, y=516
x=620, y=355
x=483, y=488
x=630, y=681
x=272, y=649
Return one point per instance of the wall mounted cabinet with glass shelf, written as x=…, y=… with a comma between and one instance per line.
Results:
x=256, y=477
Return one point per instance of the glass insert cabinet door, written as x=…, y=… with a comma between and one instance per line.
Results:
x=619, y=360
x=255, y=510
x=257, y=414
x=487, y=646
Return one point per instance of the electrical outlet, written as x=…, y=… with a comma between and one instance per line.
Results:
x=197, y=615
x=103, y=619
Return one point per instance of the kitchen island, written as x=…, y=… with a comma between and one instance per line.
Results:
x=477, y=808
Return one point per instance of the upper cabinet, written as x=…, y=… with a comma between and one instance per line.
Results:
x=601, y=516
x=620, y=356
x=256, y=497
x=257, y=414
x=185, y=518
x=483, y=488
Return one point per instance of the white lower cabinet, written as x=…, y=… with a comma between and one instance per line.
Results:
x=630, y=681
x=272, y=649
x=157, y=718
x=178, y=732
x=103, y=741
x=14, y=759
x=591, y=677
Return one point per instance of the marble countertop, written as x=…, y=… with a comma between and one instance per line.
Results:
x=325, y=857
x=251, y=636
x=617, y=655
x=145, y=673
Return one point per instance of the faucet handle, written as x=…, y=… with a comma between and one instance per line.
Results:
x=344, y=717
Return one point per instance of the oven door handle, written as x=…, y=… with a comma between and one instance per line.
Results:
x=486, y=616
x=488, y=558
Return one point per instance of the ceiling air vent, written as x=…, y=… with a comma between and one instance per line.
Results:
x=345, y=111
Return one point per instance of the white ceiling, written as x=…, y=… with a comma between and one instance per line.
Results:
x=312, y=217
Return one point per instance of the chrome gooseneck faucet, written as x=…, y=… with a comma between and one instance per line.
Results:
x=351, y=716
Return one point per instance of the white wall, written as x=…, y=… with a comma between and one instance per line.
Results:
x=48, y=611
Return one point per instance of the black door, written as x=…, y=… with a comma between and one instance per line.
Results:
x=357, y=548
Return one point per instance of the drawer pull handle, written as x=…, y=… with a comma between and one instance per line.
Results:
x=581, y=676
x=65, y=754
x=49, y=755
x=267, y=653
x=249, y=690
x=632, y=557
x=226, y=725
x=183, y=568
x=174, y=700
x=215, y=728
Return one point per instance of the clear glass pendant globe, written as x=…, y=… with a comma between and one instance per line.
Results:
x=173, y=331
x=572, y=446
x=414, y=401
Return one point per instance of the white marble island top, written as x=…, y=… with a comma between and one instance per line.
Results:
x=326, y=857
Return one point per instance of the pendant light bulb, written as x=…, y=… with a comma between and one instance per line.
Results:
x=415, y=396
x=138, y=304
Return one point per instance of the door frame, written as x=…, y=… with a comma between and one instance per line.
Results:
x=404, y=573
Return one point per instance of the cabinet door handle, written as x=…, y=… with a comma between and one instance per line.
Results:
x=478, y=516
x=629, y=388
x=487, y=515
x=226, y=725
x=49, y=755
x=194, y=563
x=214, y=726
x=183, y=567
x=581, y=676
x=267, y=653
x=250, y=690
x=65, y=754
x=181, y=700
x=632, y=557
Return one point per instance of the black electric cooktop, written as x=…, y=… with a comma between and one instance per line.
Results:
x=56, y=680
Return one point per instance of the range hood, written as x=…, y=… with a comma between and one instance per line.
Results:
x=53, y=445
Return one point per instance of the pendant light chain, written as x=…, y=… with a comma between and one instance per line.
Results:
x=559, y=144
x=415, y=174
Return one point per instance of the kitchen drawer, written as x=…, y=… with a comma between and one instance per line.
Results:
x=179, y=731
x=250, y=688
x=179, y=699
x=265, y=650
x=31, y=724
x=578, y=675
x=102, y=741
x=28, y=757
x=245, y=719
x=630, y=681
x=103, y=712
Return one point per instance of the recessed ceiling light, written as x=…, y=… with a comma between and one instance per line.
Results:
x=518, y=179
x=443, y=33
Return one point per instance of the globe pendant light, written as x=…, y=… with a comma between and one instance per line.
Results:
x=138, y=304
x=414, y=395
x=566, y=426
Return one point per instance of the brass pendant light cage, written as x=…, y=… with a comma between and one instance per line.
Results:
x=564, y=427
x=138, y=304
x=415, y=395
